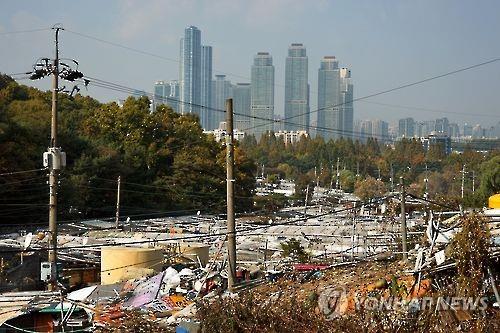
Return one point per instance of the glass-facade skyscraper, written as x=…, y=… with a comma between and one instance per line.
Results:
x=346, y=103
x=296, y=89
x=406, y=128
x=330, y=120
x=241, y=105
x=206, y=85
x=166, y=93
x=262, y=94
x=190, y=71
x=161, y=91
x=221, y=90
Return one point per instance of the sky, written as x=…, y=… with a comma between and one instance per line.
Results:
x=386, y=44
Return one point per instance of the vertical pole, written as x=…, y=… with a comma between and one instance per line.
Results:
x=392, y=178
x=265, y=256
x=331, y=178
x=403, y=219
x=463, y=180
x=426, y=180
x=231, y=232
x=338, y=175
x=117, y=219
x=473, y=182
x=352, y=236
x=53, y=175
x=307, y=199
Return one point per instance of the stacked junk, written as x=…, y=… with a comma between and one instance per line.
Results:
x=138, y=292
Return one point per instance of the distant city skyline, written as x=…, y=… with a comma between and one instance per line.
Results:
x=372, y=38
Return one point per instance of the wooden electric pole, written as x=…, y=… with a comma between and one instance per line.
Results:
x=307, y=199
x=117, y=219
x=231, y=230
x=463, y=181
x=403, y=219
x=337, y=182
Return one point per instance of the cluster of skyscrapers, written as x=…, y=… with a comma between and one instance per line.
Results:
x=198, y=91
x=410, y=128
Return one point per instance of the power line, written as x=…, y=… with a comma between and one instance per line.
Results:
x=200, y=194
x=125, y=47
x=430, y=110
x=202, y=236
x=22, y=31
x=282, y=85
x=22, y=181
x=81, y=220
x=285, y=120
x=132, y=91
x=19, y=172
x=403, y=86
x=128, y=90
x=350, y=134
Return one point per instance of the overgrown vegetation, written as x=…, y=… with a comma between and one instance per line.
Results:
x=470, y=248
x=285, y=312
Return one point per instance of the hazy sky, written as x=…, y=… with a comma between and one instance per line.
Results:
x=385, y=43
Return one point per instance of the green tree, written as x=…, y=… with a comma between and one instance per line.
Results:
x=292, y=248
x=490, y=177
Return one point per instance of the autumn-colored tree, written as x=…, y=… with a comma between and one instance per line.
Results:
x=369, y=188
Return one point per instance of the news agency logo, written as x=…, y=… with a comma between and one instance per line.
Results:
x=335, y=301
x=332, y=301
x=421, y=304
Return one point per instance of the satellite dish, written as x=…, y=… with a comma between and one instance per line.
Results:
x=198, y=213
x=27, y=240
x=128, y=219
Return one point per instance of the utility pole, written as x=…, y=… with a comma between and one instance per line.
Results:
x=265, y=256
x=426, y=181
x=353, y=234
x=473, y=182
x=231, y=232
x=54, y=170
x=117, y=219
x=307, y=199
x=331, y=178
x=463, y=180
x=316, y=176
x=403, y=219
x=392, y=178
x=54, y=158
x=337, y=183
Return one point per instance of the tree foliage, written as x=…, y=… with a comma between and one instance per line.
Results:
x=369, y=188
x=166, y=162
x=292, y=248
